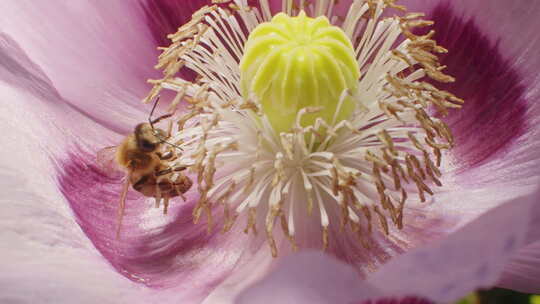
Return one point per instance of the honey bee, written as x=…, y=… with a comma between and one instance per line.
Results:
x=145, y=157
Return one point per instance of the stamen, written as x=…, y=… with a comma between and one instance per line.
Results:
x=367, y=161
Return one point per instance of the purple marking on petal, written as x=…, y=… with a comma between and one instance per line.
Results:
x=164, y=17
x=172, y=254
x=495, y=106
x=419, y=228
x=406, y=300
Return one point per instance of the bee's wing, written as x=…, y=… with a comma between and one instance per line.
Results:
x=106, y=159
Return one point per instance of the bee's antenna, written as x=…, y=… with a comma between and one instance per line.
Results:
x=152, y=122
x=166, y=142
x=152, y=112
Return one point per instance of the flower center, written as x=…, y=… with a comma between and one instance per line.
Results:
x=291, y=63
x=301, y=122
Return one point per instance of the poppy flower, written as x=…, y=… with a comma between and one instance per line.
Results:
x=457, y=216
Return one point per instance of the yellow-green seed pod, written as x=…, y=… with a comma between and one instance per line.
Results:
x=292, y=63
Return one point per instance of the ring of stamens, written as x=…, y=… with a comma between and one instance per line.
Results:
x=367, y=167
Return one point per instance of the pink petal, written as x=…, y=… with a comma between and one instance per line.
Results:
x=402, y=300
x=492, y=52
x=97, y=56
x=315, y=278
x=33, y=104
x=496, y=130
x=442, y=271
x=45, y=256
x=470, y=258
x=492, y=85
x=487, y=160
x=309, y=277
x=522, y=273
x=511, y=24
x=160, y=251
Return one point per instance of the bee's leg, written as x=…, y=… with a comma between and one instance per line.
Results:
x=158, y=195
x=165, y=204
x=179, y=169
x=122, y=205
x=182, y=185
x=166, y=156
x=140, y=183
x=169, y=170
x=164, y=171
x=166, y=187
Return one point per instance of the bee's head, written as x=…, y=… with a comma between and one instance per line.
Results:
x=148, y=139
